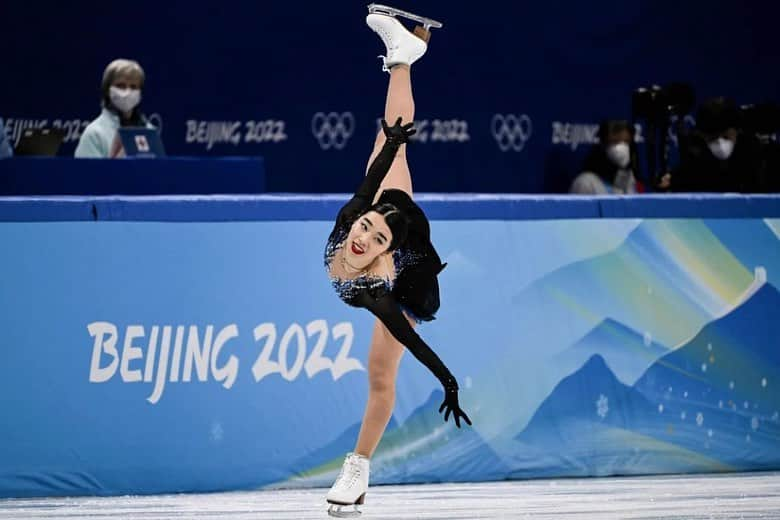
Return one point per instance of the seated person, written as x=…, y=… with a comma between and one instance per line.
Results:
x=607, y=168
x=716, y=157
x=5, y=143
x=123, y=81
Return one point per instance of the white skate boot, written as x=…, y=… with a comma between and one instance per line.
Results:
x=350, y=487
x=403, y=47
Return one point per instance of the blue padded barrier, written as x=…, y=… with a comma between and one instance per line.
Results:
x=31, y=209
x=190, y=344
x=297, y=207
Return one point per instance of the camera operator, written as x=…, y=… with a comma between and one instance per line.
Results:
x=716, y=156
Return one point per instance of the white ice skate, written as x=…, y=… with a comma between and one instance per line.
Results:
x=403, y=47
x=349, y=490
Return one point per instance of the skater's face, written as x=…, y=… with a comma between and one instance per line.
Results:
x=368, y=238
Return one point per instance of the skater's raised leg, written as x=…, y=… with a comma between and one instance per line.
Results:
x=399, y=103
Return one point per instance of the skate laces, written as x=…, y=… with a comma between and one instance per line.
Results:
x=350, y=472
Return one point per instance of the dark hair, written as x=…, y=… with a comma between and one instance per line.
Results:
x=396, y=220
x=597, y=161
x=717, y=115
x=613, y=126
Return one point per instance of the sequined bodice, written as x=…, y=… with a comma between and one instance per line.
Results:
x=349, y=288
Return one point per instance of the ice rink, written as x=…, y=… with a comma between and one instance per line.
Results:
x=742, y=496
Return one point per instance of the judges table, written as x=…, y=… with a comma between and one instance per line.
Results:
x=172, y=175
x=194, y=343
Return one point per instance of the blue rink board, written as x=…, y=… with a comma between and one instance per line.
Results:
x=192, y=344
x=282, y=207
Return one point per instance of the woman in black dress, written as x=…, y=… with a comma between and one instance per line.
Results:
x=379, y=257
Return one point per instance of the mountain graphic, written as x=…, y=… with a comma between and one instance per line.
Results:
x=422, y=449
x=320, y=467
x=592, y=424
x=426, y=449
x=725, y=382
x=707, y=406
x=668, y=278
x=737, y=356
x=627, y=352
x=752, y=241
x=591, y=395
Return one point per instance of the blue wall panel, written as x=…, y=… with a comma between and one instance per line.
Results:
x=163, y=355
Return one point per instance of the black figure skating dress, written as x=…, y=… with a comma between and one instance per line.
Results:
x=415, y=289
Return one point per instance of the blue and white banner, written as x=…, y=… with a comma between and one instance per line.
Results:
x=147, y=357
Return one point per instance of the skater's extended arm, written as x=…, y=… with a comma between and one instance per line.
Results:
x=396, y=136
x=389, y=313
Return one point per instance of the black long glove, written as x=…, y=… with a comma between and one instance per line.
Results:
x=451, y=403
x=398, y=134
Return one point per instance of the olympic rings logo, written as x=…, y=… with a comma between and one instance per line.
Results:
x=511, y=132
x=333, y=130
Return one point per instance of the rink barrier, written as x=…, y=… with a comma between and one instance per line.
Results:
x=192, y=344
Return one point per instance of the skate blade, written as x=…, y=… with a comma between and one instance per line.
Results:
x=338, y=511
x=392, y=11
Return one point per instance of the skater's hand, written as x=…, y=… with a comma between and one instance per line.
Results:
x=452, y=406
x=398, y=134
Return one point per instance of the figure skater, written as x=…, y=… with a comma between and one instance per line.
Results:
x=379, y=257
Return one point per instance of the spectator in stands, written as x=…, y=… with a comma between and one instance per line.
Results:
x=607, y=168
x=5, y=142
x=123, y=82
x=716, y=156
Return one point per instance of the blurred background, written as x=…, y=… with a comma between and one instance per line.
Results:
x=509, y=96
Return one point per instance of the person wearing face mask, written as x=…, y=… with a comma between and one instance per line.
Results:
x=123, y=81
x=716, y=157
x=607, y=168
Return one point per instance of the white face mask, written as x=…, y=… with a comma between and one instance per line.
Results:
x=619, y=154
x=125, y=99
x=721, y=148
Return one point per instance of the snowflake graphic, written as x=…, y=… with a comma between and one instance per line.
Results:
x=217, y=432
x=699, y=419
x=602, y=406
